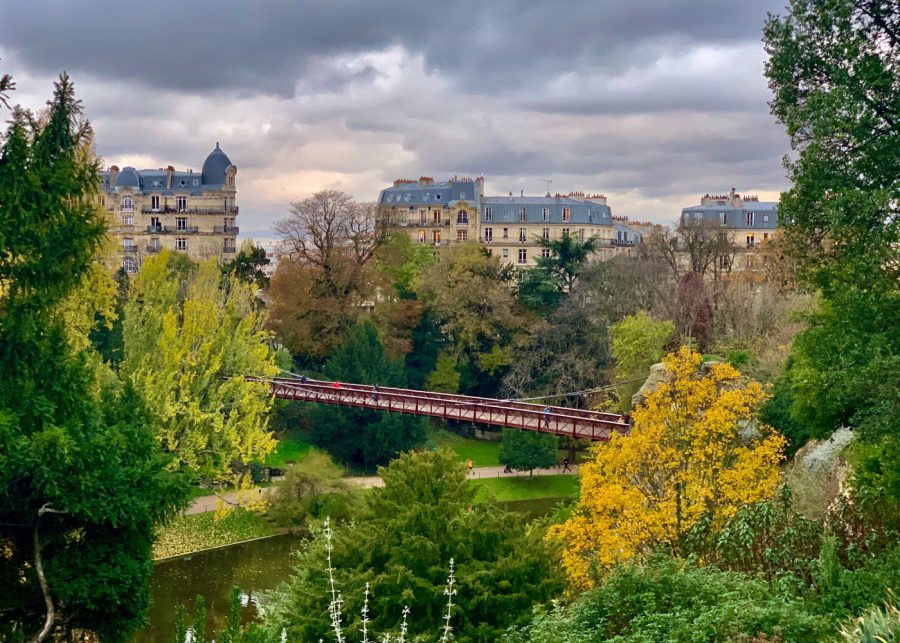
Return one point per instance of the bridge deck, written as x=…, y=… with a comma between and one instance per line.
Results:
x=577, y=423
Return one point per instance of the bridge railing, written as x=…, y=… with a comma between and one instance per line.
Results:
x=577, y=423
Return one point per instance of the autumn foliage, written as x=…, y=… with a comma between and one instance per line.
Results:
x=694, y=452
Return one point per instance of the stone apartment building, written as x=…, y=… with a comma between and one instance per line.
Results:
x=745, y=221
x=183, y=211
x=441, y=214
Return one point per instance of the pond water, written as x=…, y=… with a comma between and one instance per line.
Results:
x=254, y=566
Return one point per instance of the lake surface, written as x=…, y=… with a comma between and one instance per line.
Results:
x=254, y=566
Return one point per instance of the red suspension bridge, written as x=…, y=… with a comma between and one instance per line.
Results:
x=575, y=423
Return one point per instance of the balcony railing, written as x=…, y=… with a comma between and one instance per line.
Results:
x=229, y=249
x=228, y=229
x=153, y=249
x=171, y=229
x=129, y=249
x=225, y=209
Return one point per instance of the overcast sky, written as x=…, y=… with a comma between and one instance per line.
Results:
x=652, y=102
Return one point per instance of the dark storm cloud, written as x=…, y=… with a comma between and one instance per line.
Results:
x=205, y=45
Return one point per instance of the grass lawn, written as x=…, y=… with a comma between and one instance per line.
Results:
x=483, y=453
x=291, y=447
x=187, y=534
x=524, y=488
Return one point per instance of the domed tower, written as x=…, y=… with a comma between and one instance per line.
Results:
x=218, y=170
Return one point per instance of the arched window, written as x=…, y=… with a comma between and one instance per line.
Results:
x=129, y=265
x=127, y=204
x=462, y=216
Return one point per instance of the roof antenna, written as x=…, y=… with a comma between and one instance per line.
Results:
x=548, y=182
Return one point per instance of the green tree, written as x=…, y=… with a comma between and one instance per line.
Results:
x=402, y=545
x=189, y=343
x=313, y=488
x=568, y=256
x=528, y=450
x=834, y=71
x=247, y=266
x=365, y=436
x=468, y=295
x=445, y=377
x=539, y=292
x=638, y=342
x=82, y=483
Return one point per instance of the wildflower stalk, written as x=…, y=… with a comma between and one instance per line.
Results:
x=403, y=626
x=365, y=615
x=334, y=607
x=449, y=592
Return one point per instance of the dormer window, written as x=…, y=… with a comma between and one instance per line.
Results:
x=128, y=204
x=196, y=182
x=523, y=214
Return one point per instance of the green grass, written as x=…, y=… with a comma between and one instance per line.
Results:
x=524, y=488
x=291, y=448
x=483, y=453
x=186, y=534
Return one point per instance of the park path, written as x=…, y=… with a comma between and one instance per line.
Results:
x=211, y=503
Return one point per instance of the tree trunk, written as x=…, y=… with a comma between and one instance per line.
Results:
x=51, y=613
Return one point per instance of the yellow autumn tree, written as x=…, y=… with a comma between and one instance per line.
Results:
x=190, y=337
x=695, y=450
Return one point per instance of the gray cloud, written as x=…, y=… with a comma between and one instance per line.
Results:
x=652, y=102
x=211, y=45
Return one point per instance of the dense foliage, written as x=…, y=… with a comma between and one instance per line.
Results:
x=689, y=456
x=835, y=77
x=528, y=450
x=189, y=342
x=402, y=544
x=364, y=436
x=82, y=482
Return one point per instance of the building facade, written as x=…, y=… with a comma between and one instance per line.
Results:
x=457, y=211
x=182, y=211
x=745, y=220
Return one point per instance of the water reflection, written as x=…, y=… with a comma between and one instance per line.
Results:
x=254, y=567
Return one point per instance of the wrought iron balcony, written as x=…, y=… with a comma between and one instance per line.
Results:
x=129, y=249
x=167, y=209
x=226, y=229
x=153, y=249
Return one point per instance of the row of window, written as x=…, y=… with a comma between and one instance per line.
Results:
x=523, y=214
x=523, y=254
x=127, y=205
x=523, y=234
x=749, y=218
x=181, y=244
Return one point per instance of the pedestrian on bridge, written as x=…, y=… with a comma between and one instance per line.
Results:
x=547, y=413
x=375, y=393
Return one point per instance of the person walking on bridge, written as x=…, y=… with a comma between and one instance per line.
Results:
x=547, y=413
x=375, y=393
